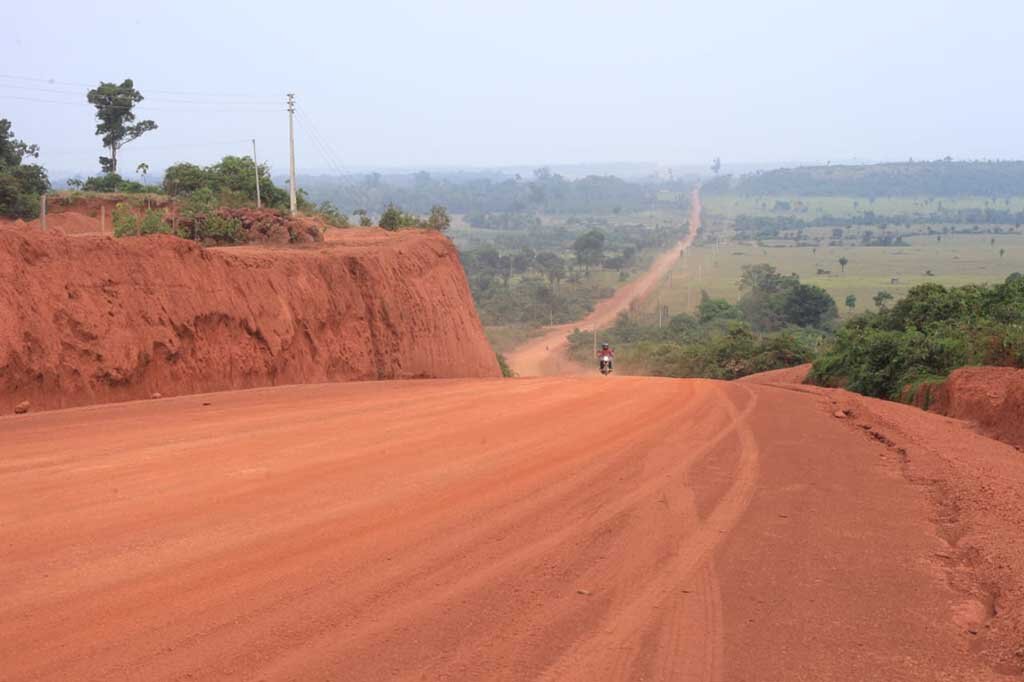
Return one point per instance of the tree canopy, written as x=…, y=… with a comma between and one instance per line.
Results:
x=115, y=117
x=20, y=183
x=232, y=180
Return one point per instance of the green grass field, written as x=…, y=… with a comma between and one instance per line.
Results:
x=956, y=260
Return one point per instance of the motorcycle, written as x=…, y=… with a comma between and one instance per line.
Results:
x=606, y=365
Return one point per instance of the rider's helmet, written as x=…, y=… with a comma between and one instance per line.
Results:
x=604, y=346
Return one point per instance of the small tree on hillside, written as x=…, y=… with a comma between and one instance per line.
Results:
x=851, y=302
x=881, y=299
x=843, y=261
x=439, y=219
x=143, y=169
x=391, y=218
x=114, y=104
x=364, y=218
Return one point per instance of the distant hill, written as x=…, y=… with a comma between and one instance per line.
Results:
x=945, y=178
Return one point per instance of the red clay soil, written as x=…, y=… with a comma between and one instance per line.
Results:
x=92, y=319
x=504, y=530
x=82, y=214
x=991, y=398
x=546, y=356
x=788, y=375
x=92, y=214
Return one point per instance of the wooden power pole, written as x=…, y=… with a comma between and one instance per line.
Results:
x=259, y=202
x=291, y=153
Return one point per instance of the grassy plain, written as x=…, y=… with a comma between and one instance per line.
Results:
x=955, y=260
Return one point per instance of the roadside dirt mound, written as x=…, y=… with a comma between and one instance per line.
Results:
x=74, y=214
x=992, y=398
x=789, y=375
x=90, y=213
x=91, y=319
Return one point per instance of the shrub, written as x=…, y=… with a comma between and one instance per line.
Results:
x=153, y=223
x=928, y=334
x=125, y=222
x=506, y=371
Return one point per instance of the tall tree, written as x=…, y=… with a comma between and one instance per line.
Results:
x=589, y=248
x=851, y=302
x=116, y=118
x=843, y=261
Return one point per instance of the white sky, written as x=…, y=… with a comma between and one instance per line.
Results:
x=480, y=83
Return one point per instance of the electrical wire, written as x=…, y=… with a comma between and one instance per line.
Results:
x=321, y=149
x=325, y=147
x=52, y=81
x=142, y=106
x=165, y=100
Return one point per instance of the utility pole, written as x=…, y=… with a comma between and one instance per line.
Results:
x=259, y=202
x=291, y=151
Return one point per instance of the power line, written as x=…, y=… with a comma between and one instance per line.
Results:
x=52, y=81
x=326, y=140
x=49, y=151
x=321, y=145
x=144, y=106
x=169, y=100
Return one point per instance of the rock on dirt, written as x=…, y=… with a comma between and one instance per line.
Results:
x=22, y=407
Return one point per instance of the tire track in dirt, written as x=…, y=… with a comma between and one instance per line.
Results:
x=615, y=650
x=448, y=589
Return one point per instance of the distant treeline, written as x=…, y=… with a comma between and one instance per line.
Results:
x=485, y=196
x=924, y=178
x=768, y=227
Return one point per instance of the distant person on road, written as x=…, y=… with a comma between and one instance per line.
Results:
x=606, y=350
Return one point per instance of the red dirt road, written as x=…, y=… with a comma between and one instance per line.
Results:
x=545, y=355
x=506, y=530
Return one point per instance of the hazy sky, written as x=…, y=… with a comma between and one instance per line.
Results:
x=527, y=82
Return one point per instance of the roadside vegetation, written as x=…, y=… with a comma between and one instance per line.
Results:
x=518, y=290
x=777, y=322
x=21, y=182
x=925, y=336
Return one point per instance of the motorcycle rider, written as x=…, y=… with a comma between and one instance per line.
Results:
x=606, y=350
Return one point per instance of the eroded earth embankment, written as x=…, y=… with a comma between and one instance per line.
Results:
x=91, y=319
x=991, y=398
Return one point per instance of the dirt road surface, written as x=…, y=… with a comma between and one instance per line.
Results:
x=545, y=355
x=569, y=528
x=496, y=530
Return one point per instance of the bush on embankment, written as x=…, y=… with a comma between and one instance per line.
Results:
x=925, y=336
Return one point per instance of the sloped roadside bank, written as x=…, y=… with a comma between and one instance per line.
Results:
x=88, y=320
x=990, y=398
x=974, y=485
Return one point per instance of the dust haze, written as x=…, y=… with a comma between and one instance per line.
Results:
x=415, y=85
